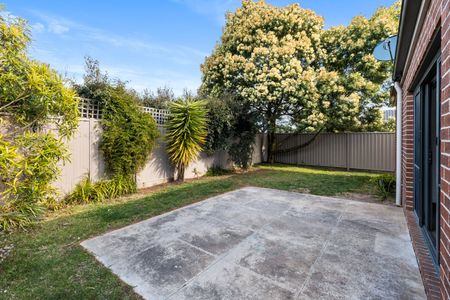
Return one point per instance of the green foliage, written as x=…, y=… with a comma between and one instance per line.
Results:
x=89, y=192
x=389, y=125
x=232, y=126
x=243, y=135
x=31, y=95
x=220, y=122
x=360, y=77
x=241, y=152
x=217, y=171
x=129, y=134
x=186, y=133
x=160, y=100
x=385, y=185
x=288, y=66
x=127, y=140
x=84, y=192
x=95, y=83
x=28, y=166
x=268, y=57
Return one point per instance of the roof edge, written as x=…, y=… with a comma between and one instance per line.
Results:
x=408, y=19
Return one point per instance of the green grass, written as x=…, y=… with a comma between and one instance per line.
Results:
x=48, y=262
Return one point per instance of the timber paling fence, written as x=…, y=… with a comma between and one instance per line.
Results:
x=372, y=151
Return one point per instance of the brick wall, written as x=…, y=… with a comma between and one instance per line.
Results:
x=426, y=33
x=438, y=16
x=407, y=150
x=445, y=150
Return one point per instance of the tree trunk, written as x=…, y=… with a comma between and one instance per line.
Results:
x=180, y=172
x=271, y=122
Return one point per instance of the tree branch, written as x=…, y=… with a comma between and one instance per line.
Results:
x=12, y=102
x=287, y=150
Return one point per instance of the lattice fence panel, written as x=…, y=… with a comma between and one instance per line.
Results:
x=89, y=109
x=160, y=115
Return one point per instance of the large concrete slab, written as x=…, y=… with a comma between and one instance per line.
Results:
x=257, y=243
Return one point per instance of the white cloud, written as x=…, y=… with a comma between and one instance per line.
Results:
x=37, y=27
x=7, y=14
x=137, y=77
x=59, y=25
x=57, y=28
x=181, y=72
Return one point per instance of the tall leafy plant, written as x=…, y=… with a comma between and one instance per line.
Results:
x=232, y=126
x=31, y=95
x=220, y=123
x=129, y=134
x=186, y=133
x=243, y=134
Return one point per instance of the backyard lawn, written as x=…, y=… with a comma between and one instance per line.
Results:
x=47, y=261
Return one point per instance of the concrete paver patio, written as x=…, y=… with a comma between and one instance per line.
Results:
x=257, y=243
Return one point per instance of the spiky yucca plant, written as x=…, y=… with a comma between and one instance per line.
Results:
x=186, y=133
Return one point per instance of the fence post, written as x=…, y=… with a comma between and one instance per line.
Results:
x=347, y=152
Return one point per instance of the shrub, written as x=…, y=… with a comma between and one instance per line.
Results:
x=27, y=169
x=220, y=122
x=129, y=134
x=159, y=100
x=241, y=152
x=127, y=140
x=31, y=95
x=87, y=192
x=186, y=133
x=217, y=171
x=385, y=185
x=232, y=126
x=243, y=135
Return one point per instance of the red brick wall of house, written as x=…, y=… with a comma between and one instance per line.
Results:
x=445, y=150
x=438, y=16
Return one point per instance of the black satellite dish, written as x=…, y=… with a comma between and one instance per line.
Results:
x=385, y=50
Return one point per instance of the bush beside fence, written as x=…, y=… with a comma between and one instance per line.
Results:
x=359, y=151
x=86, y=160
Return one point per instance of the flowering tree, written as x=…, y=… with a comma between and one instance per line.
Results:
x=362, y=82
x=285, y=64
x=268, y=56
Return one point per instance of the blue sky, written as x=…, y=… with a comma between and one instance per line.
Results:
x=148, y=43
